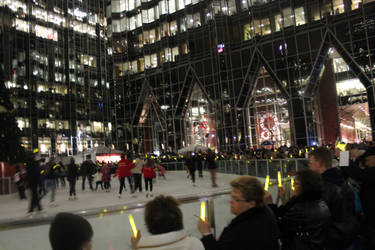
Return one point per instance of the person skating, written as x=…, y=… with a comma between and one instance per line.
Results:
x=148, y=173
x=211, y=165
x=87, y=169
x=106, y=177
x=123, y=172
x=50, y=180
x=72, y=178
x=137, y=174
x=19, y=180
x=33, y=179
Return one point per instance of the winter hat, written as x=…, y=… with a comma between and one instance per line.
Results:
x=69, y=232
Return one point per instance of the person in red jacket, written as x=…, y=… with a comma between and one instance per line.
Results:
x=123, y=171
x=148, y=173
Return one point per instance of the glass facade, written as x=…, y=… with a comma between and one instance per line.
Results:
x=54, y=58
x=236, y=51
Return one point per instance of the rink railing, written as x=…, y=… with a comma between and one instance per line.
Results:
x=258, y=168
x=111, y=226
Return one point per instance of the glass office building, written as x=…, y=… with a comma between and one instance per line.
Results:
x=54, y=58
x=159, y=75
x=234, y=74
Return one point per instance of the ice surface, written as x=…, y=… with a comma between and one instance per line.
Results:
x=112, y=231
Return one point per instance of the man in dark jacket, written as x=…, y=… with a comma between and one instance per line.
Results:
x=367, y=194
x=254, y=227
x=87, y=169
x=33, y=179
x=339, y=198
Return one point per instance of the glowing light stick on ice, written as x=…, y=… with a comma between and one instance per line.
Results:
x=279, y=179
x=267, y=183
x=132, y=224
x=203, y=211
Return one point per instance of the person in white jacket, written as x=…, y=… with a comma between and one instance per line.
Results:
x=163, y=219
x=137, y=174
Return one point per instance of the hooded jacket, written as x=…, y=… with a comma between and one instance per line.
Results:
x=176, y=240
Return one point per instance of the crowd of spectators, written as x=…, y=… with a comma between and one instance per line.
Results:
x=330, y=208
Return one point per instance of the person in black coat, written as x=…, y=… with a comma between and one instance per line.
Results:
x=367, y=192
x=33, y=179
x=304, y=219
x=87, y=169
x=339, y=197
x=255, y=226
x=72, y=178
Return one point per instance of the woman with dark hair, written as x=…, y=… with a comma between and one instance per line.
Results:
x=163, y=219
x=303, y=220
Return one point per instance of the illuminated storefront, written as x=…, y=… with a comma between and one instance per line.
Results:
x=199, y=122
x=272, y=115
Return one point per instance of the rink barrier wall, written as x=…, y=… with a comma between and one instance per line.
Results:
x=258, y=168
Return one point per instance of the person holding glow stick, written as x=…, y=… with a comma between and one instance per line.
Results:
x=254, y=226
x=163, y=219
x=304, y=219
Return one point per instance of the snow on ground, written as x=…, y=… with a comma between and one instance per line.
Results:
x=176, y=184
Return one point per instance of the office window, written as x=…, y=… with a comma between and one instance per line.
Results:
x=140, y=41
x=175, y=53
x=338, y=6
x=171, y=6
x=134, y=66
x=300, y=16
x=116, y=26
x=266, y=26
x=147, y=61
x=190, y=21
x=326, y=8
x=163, y=7
x=167, y=55
x=165, y=29
x=315, y=11
x=131, y=4
x=197, y=20
x=182, y=24
x=257, y=31
x=139, y=20
x=173, y=27
x=124, y=24
x=132, y=23
x=181, y=4
x=288, y=17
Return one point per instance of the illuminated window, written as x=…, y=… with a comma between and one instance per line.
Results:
x=338, y=6
x=300, y=16
x=22, y=25
x=22, y=123
x=175, y=53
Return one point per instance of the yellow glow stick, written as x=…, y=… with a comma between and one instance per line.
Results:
x=292, y=183
x=132, y=224
x=266, y=184
x=203, y=211
x=279, y=179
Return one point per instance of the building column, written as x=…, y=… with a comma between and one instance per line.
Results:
x=329, y=105
x=371, y=104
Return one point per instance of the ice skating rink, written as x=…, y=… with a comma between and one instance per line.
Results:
x=111, y=230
